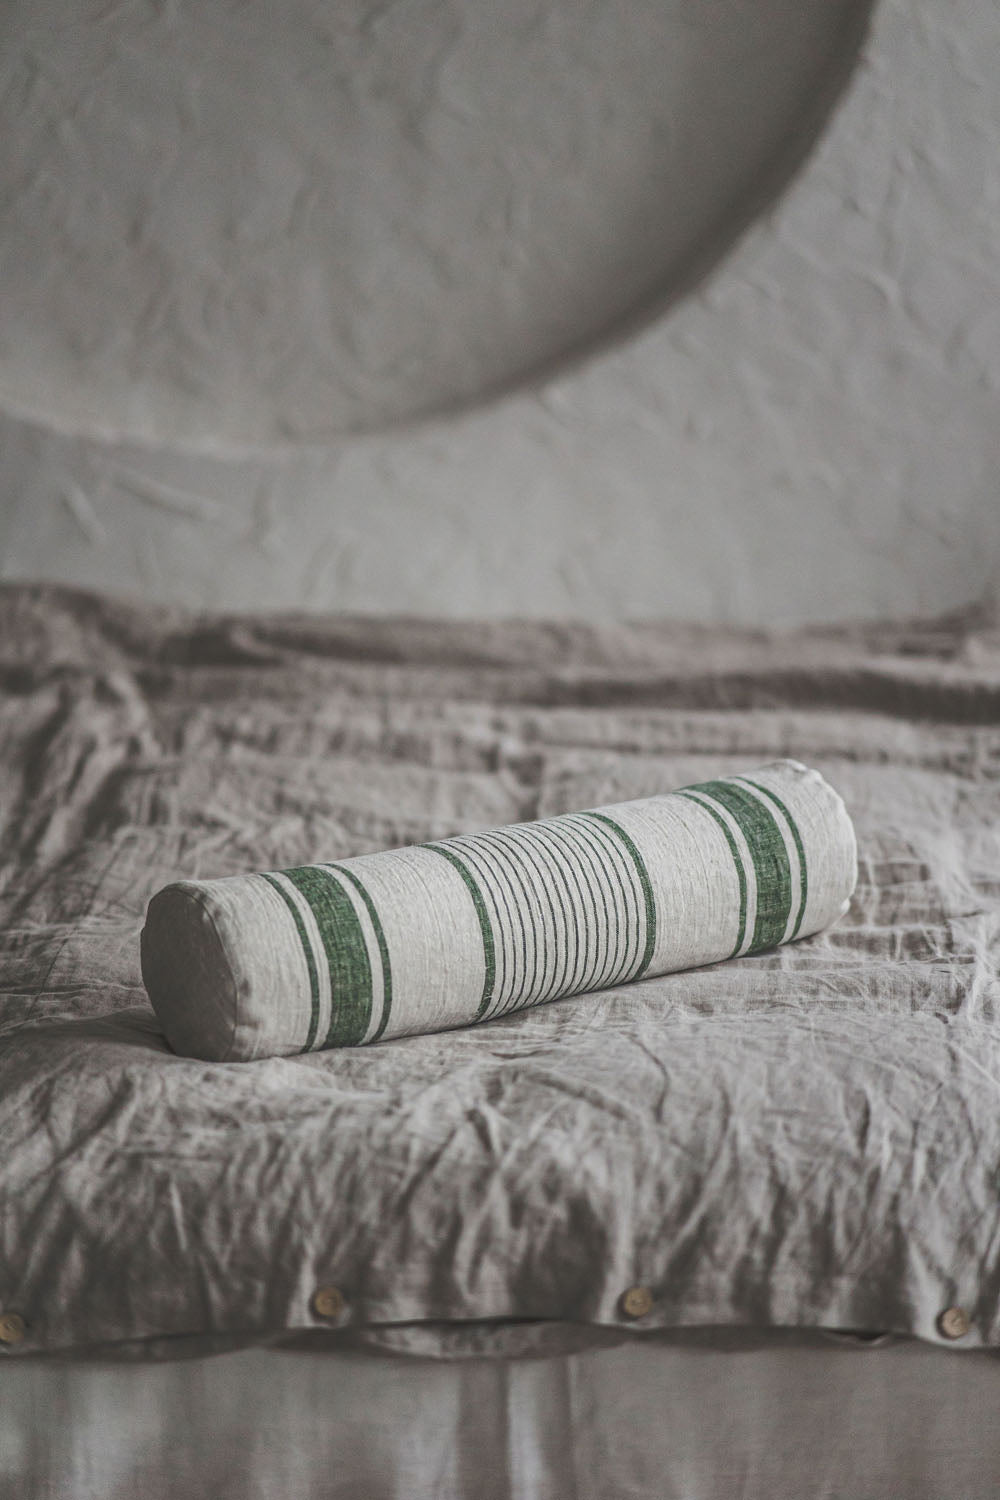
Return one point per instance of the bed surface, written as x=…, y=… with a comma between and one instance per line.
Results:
x=808, y=1137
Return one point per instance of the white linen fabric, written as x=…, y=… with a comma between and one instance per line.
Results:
x=806, y=1136
x=782, y=1416
x=475, y=927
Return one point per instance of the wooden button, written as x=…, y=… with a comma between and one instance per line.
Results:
x=954, y=1323
x=12, y=1328
x=328, y=1302
x=637, y=1301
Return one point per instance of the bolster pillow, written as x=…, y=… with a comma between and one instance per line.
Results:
x=467, y=929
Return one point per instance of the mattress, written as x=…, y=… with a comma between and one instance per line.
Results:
x=803, y=1140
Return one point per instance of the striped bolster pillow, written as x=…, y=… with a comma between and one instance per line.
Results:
x=470, y=928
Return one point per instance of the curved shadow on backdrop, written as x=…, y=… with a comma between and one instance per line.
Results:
x=250, y=227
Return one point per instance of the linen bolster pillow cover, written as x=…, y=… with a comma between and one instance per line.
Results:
x=467, y=929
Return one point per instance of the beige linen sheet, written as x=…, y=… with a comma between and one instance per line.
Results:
x=806, y=1137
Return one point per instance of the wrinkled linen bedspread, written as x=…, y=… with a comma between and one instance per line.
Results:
x=806, y=1137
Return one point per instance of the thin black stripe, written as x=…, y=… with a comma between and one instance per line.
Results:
x=593, y=872
x=526, y=908
x=588, y=928
x=544, y=869
x=580, y=950
x=645, y=883
x=561, y=865
x=630, y=906
x=497, y=882
x=490, y=877
x=603, y=868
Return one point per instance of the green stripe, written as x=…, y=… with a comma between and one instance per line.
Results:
x=563, y=862
x=550, y=861
x=624, y=971
x=493, y=876
x=383, y=947
x=346, y=951
x=647, y=889
x=581, y=839
x=738, y=860
x=489, y=956
x=530, y=850
x=601, y=850
x=514, y=864
x=770, y=859
x=300, y=928
x=800, y=850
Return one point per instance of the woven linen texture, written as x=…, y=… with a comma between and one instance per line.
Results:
x=470, y=928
